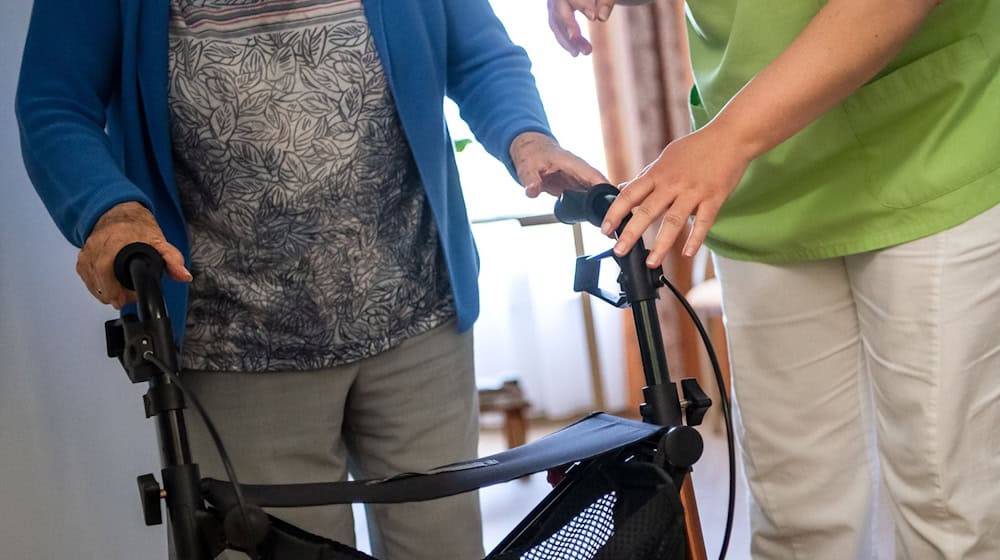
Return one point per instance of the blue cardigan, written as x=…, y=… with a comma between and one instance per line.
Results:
x=92, y=109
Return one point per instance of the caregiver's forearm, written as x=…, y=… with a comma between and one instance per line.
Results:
x=844, y=46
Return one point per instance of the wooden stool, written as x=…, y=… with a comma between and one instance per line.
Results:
x=506, y=397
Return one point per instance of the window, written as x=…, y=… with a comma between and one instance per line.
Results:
x=567, y=88
x=531, y=324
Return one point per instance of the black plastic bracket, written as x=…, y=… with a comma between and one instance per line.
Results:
x=114, y=336
x=588, y=273
x=661, y=405
x=127, y=340
x=165, y=396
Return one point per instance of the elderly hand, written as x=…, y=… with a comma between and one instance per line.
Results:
x=543, y=166
x=562, y=21
x=693, y=176
x=121, y=225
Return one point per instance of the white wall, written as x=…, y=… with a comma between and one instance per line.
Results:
x=72, y=432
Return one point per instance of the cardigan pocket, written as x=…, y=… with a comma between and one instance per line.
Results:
x=926, y=128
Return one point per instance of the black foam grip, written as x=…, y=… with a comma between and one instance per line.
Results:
x=571, y=208
x=585, y=206
x=132, y=251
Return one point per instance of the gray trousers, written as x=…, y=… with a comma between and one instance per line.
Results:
x=411, y=408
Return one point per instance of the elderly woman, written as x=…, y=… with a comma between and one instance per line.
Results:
x=845, y=168
x=290, y=161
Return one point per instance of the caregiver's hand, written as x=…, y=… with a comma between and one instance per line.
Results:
x=562, y=21
x=692, y=176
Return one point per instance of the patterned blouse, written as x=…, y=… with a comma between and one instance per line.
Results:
x=312, y=242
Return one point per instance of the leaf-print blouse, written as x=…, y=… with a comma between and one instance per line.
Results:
x=312, y=242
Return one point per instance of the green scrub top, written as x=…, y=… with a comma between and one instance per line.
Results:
x=913, y=152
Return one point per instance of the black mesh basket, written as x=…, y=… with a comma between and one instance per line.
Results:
x=605, y=510
x=615, y=503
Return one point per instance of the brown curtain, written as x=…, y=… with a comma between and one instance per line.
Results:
x=643, y=78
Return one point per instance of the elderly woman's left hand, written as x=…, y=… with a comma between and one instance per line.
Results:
x=543, y=166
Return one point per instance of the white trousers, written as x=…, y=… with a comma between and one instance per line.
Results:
x=876, y=369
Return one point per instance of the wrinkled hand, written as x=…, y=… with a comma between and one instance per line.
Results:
x=125, y=223
x=562, y=21
x=543, y=166
x=693, y=176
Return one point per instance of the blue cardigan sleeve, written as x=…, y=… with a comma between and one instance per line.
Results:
x=68, y=75
x=489, y=78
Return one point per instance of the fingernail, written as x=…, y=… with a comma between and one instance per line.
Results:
x=589, y=14
x=187, y=275
x=605, y=12
x=688, y=251
x=606, y=228
x=620, y=249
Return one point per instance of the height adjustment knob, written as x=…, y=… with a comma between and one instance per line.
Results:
x=150, y=494
x=696, y=402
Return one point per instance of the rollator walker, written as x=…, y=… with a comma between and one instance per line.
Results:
x=626, y=493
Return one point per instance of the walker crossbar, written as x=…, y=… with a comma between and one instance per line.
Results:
x=594, y=435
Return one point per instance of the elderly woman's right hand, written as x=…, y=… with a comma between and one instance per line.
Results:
x=121, y=225
x=562, y=21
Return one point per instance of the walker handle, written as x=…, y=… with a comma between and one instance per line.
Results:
x=585, y=206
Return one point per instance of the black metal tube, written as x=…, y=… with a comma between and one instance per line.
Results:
x=152, y=311
x=174, y=449
x=647, y=330
x=184, y=504
x=637, y=281
x=639, y=284
x=170, y=423
x=181, y=479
